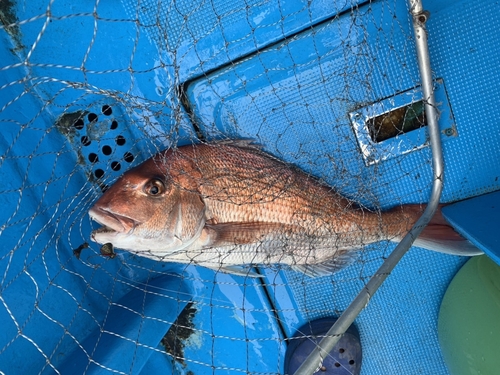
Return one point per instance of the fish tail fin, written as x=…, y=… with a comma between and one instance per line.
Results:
x=440, y=236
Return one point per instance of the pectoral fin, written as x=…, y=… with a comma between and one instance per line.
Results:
x=238, y=233
x=216, y=235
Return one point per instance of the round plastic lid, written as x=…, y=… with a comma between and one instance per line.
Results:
x=345, y=357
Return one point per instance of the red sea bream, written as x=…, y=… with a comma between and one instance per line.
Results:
x=230, y=204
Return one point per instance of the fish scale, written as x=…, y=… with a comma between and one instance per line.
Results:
x=229, y=204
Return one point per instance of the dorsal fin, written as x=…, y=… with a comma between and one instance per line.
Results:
x=244, y=143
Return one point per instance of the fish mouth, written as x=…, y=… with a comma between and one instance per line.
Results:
x=111, y=221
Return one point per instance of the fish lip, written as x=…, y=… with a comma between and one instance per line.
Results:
x=102, y=230
x=111, y=221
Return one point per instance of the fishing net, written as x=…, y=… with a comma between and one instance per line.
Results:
x=90, y=89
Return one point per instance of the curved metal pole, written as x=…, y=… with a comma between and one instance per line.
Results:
x=315, y=359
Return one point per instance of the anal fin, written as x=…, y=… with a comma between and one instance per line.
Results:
x=328, y=267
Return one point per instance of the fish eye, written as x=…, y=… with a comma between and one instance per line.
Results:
x=154, y=187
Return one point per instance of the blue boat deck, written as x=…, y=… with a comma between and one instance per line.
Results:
x=90, y=89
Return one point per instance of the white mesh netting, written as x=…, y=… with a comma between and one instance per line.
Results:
x=90, y=89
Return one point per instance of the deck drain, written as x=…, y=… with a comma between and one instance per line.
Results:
x=107, y=150
x=100, y=138
x=344, y=359
x=397, y=122
x=396, y=125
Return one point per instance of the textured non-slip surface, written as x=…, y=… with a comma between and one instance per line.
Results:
x=90, y=89
x=305, y=113
x=483, y=230
x=400, y=321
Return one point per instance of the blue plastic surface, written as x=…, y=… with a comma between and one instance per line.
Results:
x=400, y=321
x=478, y=220
x=292, y=98
x=271, y=77
x=235, y=327
x=131, y=328
x=92, y=314
x=199, y=36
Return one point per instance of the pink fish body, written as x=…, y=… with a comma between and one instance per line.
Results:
x=230, y=204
